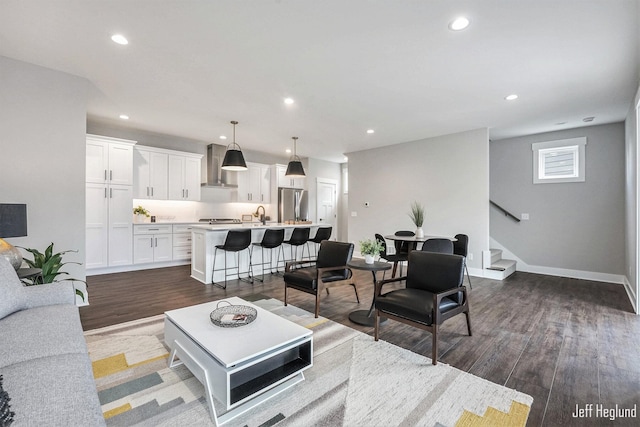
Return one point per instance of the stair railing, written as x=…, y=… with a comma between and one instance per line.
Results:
x=504, y=211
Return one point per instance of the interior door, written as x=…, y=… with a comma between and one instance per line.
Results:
x=326, y=197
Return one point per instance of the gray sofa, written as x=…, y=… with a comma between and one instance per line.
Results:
x=43, y=355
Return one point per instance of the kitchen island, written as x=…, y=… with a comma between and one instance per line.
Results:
x=205, y=237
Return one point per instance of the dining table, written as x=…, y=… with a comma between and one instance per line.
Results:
x=417, y=239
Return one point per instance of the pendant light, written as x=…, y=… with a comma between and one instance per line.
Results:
x=294, y=168
x=233, y=158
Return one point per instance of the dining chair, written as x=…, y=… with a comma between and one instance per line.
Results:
x=440, y=245
x=402, y=247
x=395, y=258
x=461, y=247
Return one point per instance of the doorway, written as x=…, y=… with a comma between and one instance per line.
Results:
x=326, y=201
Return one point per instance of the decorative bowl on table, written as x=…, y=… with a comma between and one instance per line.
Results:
x=232, y=316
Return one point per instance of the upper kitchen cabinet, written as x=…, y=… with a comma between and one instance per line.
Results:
x=109, y=160
x=150, y=173
x=184, y=176
x=254, y=184
x=284, y=181
x=166, y=174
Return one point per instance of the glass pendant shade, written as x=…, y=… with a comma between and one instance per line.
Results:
x=233, y=158
x=294, y=168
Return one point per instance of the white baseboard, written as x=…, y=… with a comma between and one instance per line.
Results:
x=631, y=294
x=135, y=267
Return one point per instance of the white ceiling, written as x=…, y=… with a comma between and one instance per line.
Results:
x=192, y=66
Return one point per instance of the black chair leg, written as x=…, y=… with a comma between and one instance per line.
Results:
x=213, y=270
x=468, y=277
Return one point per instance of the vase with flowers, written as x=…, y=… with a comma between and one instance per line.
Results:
x=417, y=216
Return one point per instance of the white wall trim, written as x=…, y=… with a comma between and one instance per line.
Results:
x=561, y=272
x=136, y=267
x=631, y=294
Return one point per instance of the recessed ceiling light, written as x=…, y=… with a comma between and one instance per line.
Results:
x=371, y=131
x=511, y=97
x=346, y=159
x=124, y=117
x=288, y=150
x=223, y=137
x=289, y=101
x=588, y=119
x=459, y=23
x=120, y=39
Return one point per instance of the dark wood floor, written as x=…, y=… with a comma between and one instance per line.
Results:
x=566, y=342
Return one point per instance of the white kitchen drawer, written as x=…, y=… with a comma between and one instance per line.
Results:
x=182, y=239
x=182, y=228
x=181, y=252
x=152, y=229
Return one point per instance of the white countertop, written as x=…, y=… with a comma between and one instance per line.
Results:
x=255, y=225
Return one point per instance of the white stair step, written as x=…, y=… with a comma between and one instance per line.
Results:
x=496, y=255
x=501, y=269
x=502, y=264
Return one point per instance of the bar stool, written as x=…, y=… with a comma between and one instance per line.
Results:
x=236, y=241
x=271, y=240
x=299, y=237
x=323, y=233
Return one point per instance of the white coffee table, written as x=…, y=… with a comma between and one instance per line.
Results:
x=243, y=366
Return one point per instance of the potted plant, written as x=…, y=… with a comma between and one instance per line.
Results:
x=50, y=265
x=140, y=213
x=417, y=216
x=370, y=248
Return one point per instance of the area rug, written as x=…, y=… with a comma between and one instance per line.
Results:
x=354, y=381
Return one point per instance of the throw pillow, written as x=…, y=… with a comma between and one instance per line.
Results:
x=6, y=414
x=12, y=294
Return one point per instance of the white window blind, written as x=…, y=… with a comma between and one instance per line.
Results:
x=559, y=161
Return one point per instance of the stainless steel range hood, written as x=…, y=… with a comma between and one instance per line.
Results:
x=216, y=176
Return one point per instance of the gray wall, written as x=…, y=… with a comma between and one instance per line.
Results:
x=575, y=226
x=449, y=175
x=42, y=160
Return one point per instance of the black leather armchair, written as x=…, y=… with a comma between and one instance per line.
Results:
x=330, y=269
x=433, y=294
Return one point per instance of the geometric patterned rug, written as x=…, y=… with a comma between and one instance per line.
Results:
x=354, y=381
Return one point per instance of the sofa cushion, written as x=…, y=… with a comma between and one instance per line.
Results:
x=6, y=414
x=54, y=391
x=40, y=332
x=12, y=296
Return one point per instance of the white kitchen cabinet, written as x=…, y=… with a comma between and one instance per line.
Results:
x=265, y=183
x=150, y=174
x=108, y=201
x=108, y=225
x=284, y=181
x=182, y=242
x=184, y=177
x=109, y=160
x=152, y=243
x=254, y=184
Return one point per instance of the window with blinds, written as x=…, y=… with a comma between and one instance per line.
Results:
x=559, y=161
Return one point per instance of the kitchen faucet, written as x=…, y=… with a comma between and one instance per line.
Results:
x=263, y=218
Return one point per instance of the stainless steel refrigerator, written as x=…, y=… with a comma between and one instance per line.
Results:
x=293, y=204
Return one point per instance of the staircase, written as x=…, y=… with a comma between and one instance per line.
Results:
x=495, y=267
